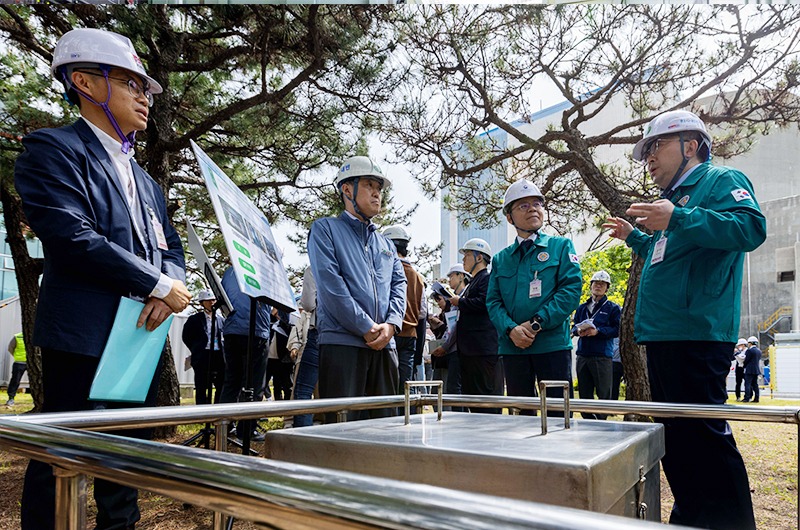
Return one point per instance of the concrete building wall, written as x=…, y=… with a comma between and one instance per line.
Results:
x=762, y=295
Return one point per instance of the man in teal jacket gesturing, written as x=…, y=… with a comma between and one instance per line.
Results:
x=687, y=313
x=534, y=287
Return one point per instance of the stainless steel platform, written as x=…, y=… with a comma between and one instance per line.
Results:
x=594, y=465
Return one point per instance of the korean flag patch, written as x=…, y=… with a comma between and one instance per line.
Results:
x=741, y=195
x=574, y=258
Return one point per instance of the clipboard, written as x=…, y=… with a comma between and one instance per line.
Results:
x=130, y=357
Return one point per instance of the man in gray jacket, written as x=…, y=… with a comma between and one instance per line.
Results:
x=361, y=292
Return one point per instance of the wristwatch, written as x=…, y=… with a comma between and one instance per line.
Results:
x=536, y=323
x=509, y=329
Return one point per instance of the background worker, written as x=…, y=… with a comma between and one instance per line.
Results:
x=207, y=359
x=236, y=333
x=752, y=369
x=304, y=342
x=596, y=324
x=444, y=359
x=738, y=356
x=406, y=340
x=705, y=221
x=103, y=223
x=476, y=337
x=534, y=287
x=16, y=347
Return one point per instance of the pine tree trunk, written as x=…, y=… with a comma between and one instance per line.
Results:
x=634, y=361
x=169, y=393
x=27, y=270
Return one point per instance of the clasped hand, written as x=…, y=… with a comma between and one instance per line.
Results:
x=379, y=336
x=523, y=335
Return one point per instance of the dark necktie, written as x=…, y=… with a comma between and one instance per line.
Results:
x=525, y=245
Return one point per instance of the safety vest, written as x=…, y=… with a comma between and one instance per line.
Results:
x=20, y=356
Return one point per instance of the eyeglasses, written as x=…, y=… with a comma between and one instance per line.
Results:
x=528, y=205
x=134, y=89
x=653, y=147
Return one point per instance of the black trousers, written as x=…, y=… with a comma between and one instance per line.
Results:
x=594, y=376
x=703, y=466
x=66, y=381
x=17, y=371
x=617, y=372
x=235, y=368
x=739, y=372
x=482, y=375
x=209, y=370
x=523, y=372
x=350, y=371
x=751, y=390
x=281, y=374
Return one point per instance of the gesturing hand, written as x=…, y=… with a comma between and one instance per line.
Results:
x=654, y=216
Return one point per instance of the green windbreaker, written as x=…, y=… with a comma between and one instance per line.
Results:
x=694, y=293
x=553, y=261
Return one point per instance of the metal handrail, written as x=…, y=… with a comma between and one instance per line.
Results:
x=222, y=414
x=279, y=494
x=774, y=317
x=118, y=419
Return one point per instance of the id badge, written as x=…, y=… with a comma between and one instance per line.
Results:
x=659, y=250
x=535, y=289
x=158, y=230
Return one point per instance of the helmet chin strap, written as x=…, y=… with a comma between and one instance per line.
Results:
x=669, y=191
x=127, y=141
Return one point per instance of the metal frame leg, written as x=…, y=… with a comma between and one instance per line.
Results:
x=70, y=499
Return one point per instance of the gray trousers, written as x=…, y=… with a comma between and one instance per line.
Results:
x=594, y=375
x=349, y=371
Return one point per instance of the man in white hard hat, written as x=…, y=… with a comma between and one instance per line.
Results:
x=738, y=356
x=207, y=359
x=596, y=324
x=106, y=234
x=406, y=340
x=361, y=291
x=687, y=312
x=752, y=369
x=476, y=339
x=534, y=288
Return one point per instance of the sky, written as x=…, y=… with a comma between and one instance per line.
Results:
x=425, y=225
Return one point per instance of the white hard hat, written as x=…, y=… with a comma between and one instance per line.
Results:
x=205, y=294
x=397, y=232
x=458, y=268
x=752, y=340
x=518, y=190
x=741, y=342
x=89, y=47
x=478, y=244
x=671, y=122
x=361, y=166
x=601, y=276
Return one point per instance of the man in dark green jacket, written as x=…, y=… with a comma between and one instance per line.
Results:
x=687, y=313
x=534, y=287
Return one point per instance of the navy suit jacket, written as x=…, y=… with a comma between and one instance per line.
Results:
x=195, y=334
x=475, y=333
x=751, y=361
x=75, y=203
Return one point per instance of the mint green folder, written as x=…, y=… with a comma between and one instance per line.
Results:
x=130, y=357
